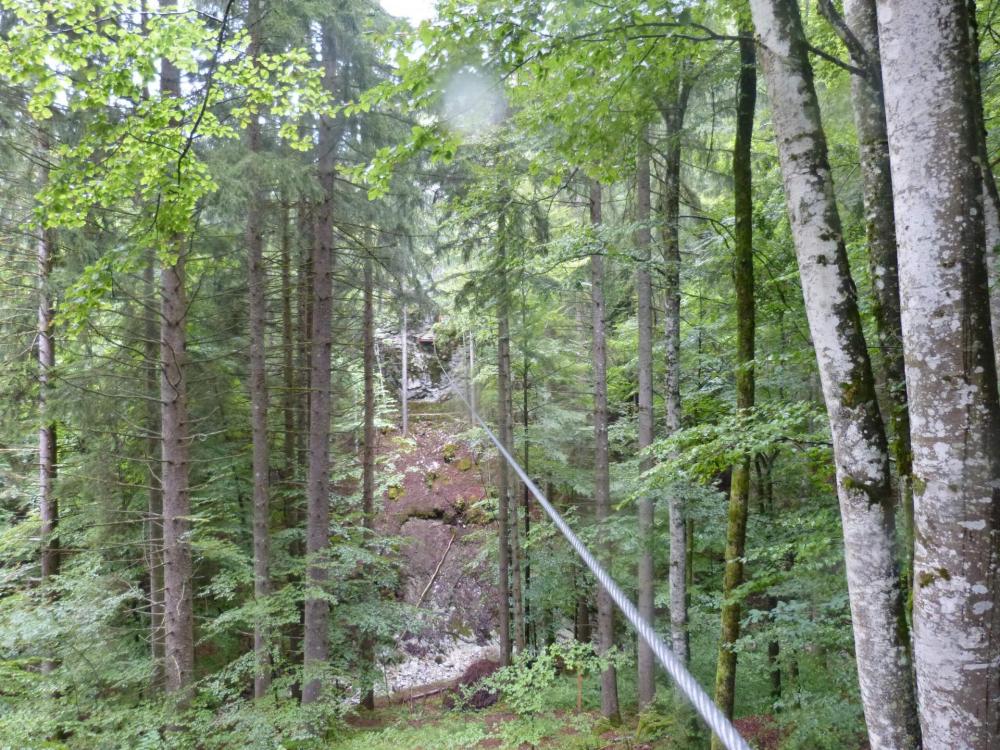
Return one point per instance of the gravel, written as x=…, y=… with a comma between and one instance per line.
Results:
x=444, y=660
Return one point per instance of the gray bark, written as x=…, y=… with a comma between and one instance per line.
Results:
x=602, y=484
x=880, y=228
x=859, y=443
x=934, y=140
x=673, y=111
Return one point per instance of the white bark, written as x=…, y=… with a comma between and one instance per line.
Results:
x=860, y=449
x=950, y=370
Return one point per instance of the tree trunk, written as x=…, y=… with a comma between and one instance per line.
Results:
x=175, y=446
x=859, y=443
x=644, y=316
x=525, y=493
x=287, y=350
x=306, y=232
x=317, y=609
x=47, y=504
x=673, y=112
x=602, y=488
x=154, y=505
x=880, y=230
x=368, y=464
x=154, y=514
x=934, y=140
x=991, y=198
x=504, y=405
x=305, y=239
x=472, y=379
x=516, y=581
x=743, y=282
x=257, y=283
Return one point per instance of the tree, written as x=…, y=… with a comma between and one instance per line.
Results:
x=743, y=278
x=951, y=376
x=672, y=109
x=506, y=420
x=317, y=608
x=859, y=31
x=368, y=451
x=257, y=283
x=644, y=316
x=175, y=435
x=47, y=445
x=860, y=447
x=602, y=491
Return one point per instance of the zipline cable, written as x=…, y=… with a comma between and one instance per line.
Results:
x=685, y=681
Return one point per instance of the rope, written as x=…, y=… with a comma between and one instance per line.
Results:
x=685, y=681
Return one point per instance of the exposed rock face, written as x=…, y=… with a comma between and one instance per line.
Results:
x=437, y=508
x=426, y=352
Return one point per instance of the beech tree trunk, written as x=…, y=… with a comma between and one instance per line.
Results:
x=257, y=283
x=934, y=139
x=504, y=405
x=317, y=610
x=602, y=482
x=175, y=446
x=880, y=231
x=644, y=318
x=859, y=443
x=673, y=111
x=743, y=283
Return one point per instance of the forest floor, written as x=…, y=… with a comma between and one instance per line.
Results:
x=428, y=725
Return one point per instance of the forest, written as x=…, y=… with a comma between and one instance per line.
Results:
x=494, y=374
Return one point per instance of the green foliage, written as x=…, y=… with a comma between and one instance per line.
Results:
x=527, y=683
x=704, y=450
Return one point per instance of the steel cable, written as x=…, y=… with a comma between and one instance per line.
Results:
x=685, y=681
